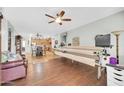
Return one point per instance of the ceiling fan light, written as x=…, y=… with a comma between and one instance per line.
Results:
x=58, y=20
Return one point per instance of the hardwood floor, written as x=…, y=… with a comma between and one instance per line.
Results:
x=60, y=72
x=40, y=59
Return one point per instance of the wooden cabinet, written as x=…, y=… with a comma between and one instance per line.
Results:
x=18, y=43
x=43, y=42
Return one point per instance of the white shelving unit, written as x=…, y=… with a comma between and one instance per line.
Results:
x=115, y=75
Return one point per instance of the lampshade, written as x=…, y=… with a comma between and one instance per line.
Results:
x=117, y=32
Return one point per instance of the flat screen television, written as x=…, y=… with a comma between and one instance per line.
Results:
x=103, y=40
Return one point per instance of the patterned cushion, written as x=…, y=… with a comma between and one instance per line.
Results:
x=8, y=56
x=4, y=58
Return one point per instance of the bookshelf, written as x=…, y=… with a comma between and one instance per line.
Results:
x=18, y=43
x=9, y=40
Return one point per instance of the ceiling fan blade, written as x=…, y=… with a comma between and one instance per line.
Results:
x=66, y=19
x=62, y=13
x=50, y=16
x=51, y=21
x=60, y=23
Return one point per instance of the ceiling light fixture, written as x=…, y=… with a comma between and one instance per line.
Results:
x=58, y=20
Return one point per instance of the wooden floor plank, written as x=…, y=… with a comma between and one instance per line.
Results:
x=61, y=72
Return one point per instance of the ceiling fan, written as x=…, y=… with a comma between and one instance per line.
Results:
x=58, y=18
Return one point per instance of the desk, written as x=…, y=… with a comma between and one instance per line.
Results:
x=84, y=54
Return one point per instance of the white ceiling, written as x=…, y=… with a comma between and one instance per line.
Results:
x=33, y=19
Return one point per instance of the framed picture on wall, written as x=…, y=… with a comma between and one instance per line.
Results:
x=76, y=41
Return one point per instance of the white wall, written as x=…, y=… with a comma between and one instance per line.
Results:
x=4, y=35
x=26, y=38
x=56, y=37
x=104, y=26
x=13, y=46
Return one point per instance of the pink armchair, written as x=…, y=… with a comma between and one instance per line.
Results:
x=13, y=70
